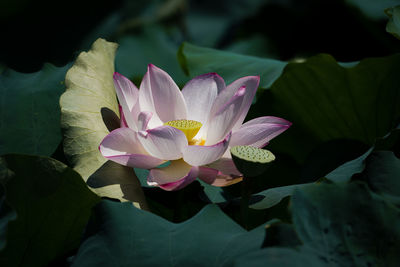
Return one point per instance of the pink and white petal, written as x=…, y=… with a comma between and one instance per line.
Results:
x=164, y=142
x=259, y=132
x=123, y=122
x=200, y=94
x=128, y=95
x=158, y=93
x=268, y=119
x=141, y=161
x=126, y=91
x=172, y=176
x=121, y=141
x=191, y=177
x=217, y=178
x=143, y=120
x=146, y=101
x=226, y=166
x=251, y=83
x=123, y=147
x=202, y=155
x=222, y=121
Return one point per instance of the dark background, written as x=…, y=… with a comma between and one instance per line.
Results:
x=35, y=32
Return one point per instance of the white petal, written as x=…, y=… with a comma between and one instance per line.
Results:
x=226, y=166
x=143, y=120
x=200, y=94
x=164, y=142
x=222, y=121
x=127, y=94
x=201, y=155
x=160, y=95
x=251, y=83
x=258, y=132
x=216, y=177
x=189, y=178
x=122, y=146
x=177, y=170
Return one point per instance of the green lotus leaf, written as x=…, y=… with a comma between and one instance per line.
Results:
x=30, y=115
x=382, y=173
x=338, y=225
x=372, y=8
x=196, y=60
x=121, y=235
x=272, y=196
x=52, y=206
x=279, y=256
x=344, y=172
x=151, y=45
x=324, y=219
x=7, y=214
x=326, y=101
x=278, y=233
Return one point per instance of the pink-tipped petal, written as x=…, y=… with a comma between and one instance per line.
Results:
x=143, y=120
x=137, y=161
x=146, y=102
x=258, y=132
x=159, y=94
x=123, y=122
x=251, y=84
x=268, y=119
x=121, y=141
x=217, y=178
x=200, y=93
x=226, y=166
x=164, y=142
x=177, y=175
x=181, y=183
x=222, y=121
x=122, y=146
x=127, y=94
x=202, y=155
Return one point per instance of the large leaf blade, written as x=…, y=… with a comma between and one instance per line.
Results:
x=382, y=173
x=359, y=103
x=89, y=110
x=325, y=222
x=197, y=60
x=89, y=89
x=143, y=239
x=30, y=115
x=52, y=204
x=338, y=225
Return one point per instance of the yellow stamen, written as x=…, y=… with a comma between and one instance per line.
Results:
x=197, y=142
x=189, y=127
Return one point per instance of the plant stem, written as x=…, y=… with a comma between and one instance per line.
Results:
x=178, y=210
x=244, y=204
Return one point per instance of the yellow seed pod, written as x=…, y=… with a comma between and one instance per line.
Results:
x=251, y=161
x=189, y=127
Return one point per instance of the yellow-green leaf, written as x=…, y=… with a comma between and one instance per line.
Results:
x=89, y=89
x=89, y=110
x=393, y=25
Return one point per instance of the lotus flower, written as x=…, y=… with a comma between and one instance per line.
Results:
x=192, y=129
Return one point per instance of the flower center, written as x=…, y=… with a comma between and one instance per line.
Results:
x=197, y=142
x=189, y=127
